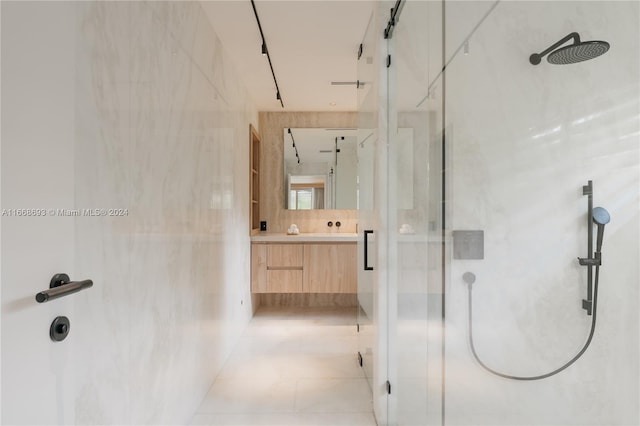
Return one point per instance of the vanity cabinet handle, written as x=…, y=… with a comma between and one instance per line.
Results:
x=366, y=250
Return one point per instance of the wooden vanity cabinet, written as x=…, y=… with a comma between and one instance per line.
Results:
x=276, y=268
x=330, y=268
x=258, y=268
x=303, y=268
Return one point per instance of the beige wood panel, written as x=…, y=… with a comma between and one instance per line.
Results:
x=284, y=281
x=272, y=182
x=258, y=268
x=254, y=180
x=330, y=268
x=285, y=256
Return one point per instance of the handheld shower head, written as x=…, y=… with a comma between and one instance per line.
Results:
x=600, y=217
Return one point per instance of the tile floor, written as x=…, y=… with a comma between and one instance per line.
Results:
x=292, y=366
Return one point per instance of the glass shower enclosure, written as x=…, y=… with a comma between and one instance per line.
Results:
x=492, y=166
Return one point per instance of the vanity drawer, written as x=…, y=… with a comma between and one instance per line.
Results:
x=284, y=281
x=285, y=256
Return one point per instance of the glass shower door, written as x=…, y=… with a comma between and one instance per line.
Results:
x=367, y=138
x=372, y=212
x=415, y=216
x=501, y=149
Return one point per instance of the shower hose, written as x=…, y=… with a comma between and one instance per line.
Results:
x=542, y=376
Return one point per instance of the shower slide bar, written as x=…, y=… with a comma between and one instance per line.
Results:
x=61, y=286
x=587, y=303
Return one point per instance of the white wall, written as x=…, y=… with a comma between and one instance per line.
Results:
x=524, y=139
x=159, y=125
x=37, y=172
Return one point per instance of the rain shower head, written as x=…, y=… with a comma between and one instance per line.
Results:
x=577, y=52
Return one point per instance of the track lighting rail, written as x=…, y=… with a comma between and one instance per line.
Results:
x=265, y=51
x=294, y=144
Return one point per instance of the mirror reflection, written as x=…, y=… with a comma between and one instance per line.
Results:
x=320, y=168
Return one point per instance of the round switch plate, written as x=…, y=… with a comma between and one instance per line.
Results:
x=59, y=329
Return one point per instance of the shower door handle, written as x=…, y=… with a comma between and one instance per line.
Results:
x=366, y=250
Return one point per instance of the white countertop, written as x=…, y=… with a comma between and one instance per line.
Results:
x=336, y=237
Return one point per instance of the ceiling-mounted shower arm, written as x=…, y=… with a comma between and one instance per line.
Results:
x=536, y=58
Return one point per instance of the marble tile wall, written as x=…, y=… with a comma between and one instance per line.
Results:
x=272, y=125
x=523, y=141
x=162, y=131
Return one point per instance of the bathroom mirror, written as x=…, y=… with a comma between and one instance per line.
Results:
x=320, y=168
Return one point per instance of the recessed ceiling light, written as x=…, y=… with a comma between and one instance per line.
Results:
x=332, y=103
